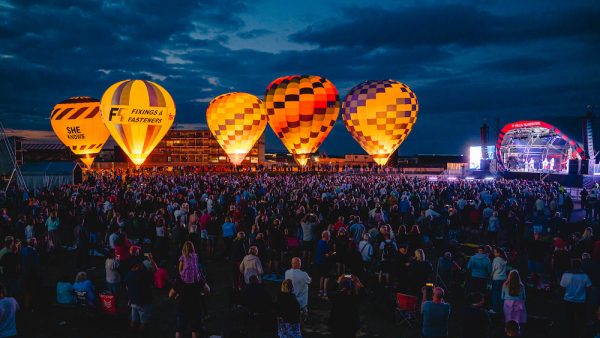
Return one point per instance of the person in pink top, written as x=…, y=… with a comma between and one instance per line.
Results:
x=188, y=264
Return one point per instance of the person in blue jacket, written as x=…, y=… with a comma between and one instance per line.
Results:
x=480, y=268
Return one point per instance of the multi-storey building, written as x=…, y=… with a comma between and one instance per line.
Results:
x=198, y=147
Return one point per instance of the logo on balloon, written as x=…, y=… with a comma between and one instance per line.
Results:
x=78, y=124
x=138, y=114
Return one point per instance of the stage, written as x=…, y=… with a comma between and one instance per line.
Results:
x=574, y=181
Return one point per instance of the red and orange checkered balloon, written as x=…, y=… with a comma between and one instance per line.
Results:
x=380, y=115
x=237, y=120
x=78, y=124
x=302, y=111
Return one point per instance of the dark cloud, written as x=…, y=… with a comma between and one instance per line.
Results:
x=252, y=34
x=465, y=63
x=519, y=65
x=448, y=24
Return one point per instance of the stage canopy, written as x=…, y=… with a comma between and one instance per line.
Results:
x=535, y=146
x=39, y=175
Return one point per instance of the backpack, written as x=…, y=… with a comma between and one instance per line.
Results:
x=389, y=252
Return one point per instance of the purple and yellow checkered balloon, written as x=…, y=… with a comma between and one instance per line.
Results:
x=380, y=115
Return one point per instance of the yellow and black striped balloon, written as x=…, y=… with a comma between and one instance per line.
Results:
x=138, y=114
x=78, y=124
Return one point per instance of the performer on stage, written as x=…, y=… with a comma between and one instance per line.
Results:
x=552, y=163
x=531, y=164
x=545, y=163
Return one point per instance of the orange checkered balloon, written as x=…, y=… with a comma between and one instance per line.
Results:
x=237, y=120
x=78, y=124
x=138, y=114
x=302, y=111
x=379, y=115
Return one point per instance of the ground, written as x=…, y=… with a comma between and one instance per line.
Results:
x=377, y=318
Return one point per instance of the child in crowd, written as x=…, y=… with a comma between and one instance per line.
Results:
x=188, y=264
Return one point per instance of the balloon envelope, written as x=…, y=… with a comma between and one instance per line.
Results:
x=302, y=111
x=78, y=124
x=379, y=115
x=138, y=114
x=237, y=120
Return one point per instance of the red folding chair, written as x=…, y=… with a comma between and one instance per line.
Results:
x=407, y=309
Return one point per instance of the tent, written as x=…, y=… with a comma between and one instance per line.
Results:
x=39, y=175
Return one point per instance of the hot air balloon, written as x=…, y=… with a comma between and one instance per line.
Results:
x=78, y=124
x=379, y=115
x=138, y=114
x=237, y=120
x=302, y=111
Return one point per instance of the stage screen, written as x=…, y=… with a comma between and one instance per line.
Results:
x=475, y=155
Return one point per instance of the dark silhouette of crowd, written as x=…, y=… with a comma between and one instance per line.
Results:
x=425, y=250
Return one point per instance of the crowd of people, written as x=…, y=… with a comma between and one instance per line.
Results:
x=474, y=247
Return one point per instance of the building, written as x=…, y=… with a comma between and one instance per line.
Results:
x=198, y=147
x=40, y=152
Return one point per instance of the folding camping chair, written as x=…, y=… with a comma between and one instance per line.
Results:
x=407, y=309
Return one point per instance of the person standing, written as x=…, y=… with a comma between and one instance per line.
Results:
x=228, y=231
x=8, y=314
x=493, y=227
x=300, y=280
x=323, y=261
x=366, y=253
x=189, y=307
x=389, y=251
x=576, y=286
x=357, y=229
x=288, y=312
x=513, y=294
x=138, y=283
x=9, y=263
x=344, y=319
x=188, y=264
x=308, y=224
x=113, y=277
x=52, y=225
x=251, y=265
x=30, y=273
x=499, y=275
x=480, y=268
x=436, y=313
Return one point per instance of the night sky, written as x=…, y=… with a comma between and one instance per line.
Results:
x=465, y=61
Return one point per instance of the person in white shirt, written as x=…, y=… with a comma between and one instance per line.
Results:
x=576, y=284
x=531, y=164
x=300, y=281
x=366, y=250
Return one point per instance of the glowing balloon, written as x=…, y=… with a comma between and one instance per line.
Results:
x=237, y=120
x=78, y=124
x=302, y=111
x=379, y=115
x=138, y=114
